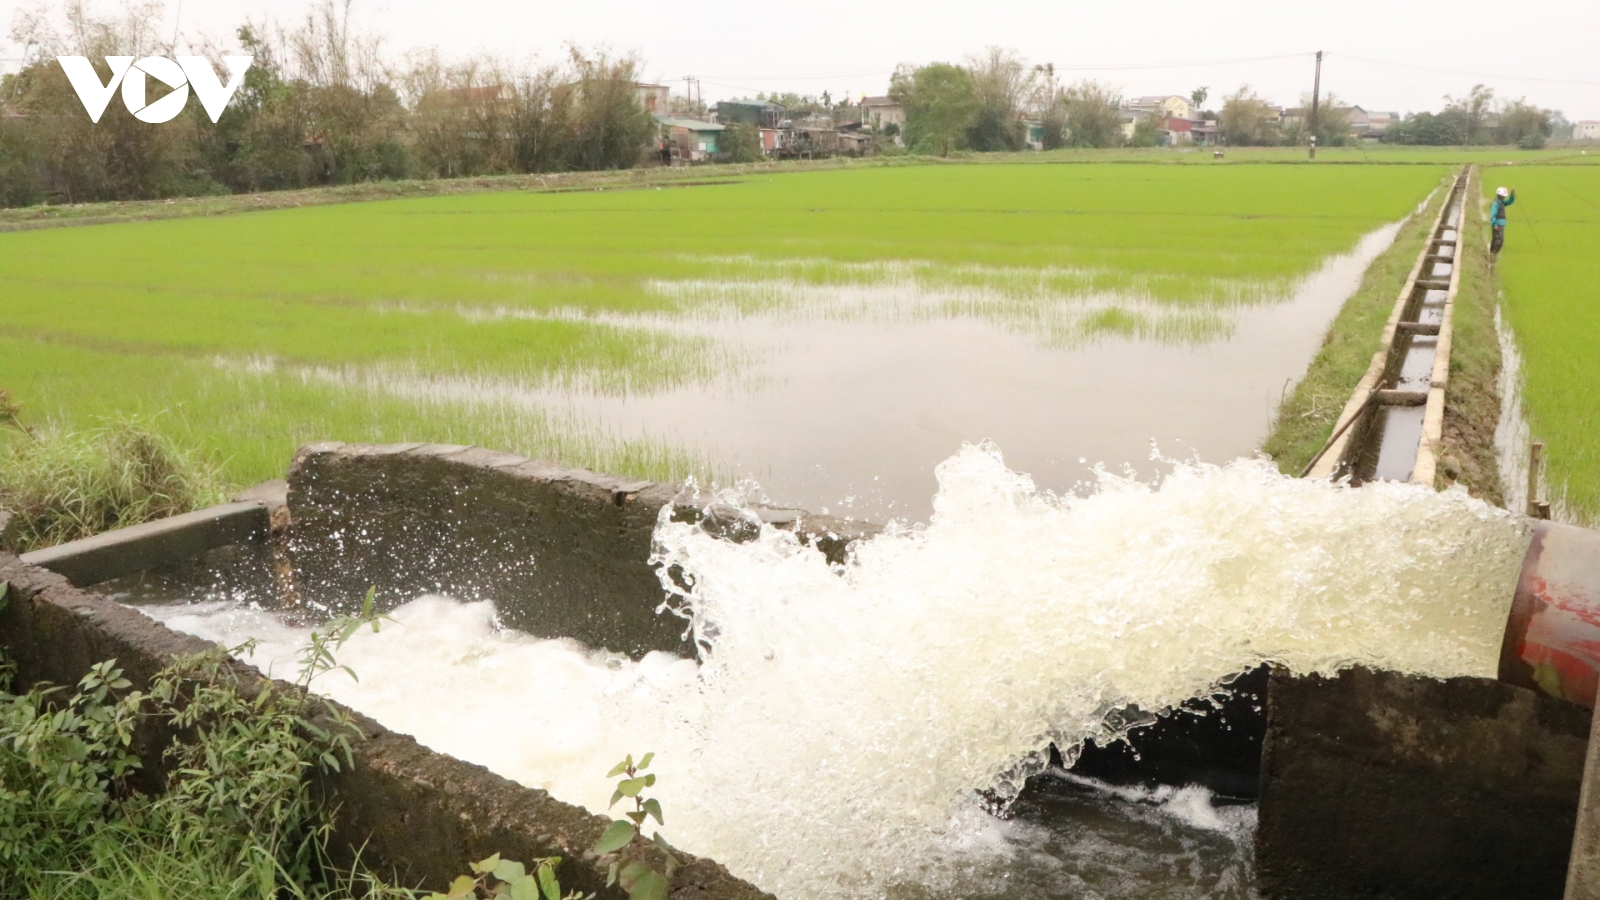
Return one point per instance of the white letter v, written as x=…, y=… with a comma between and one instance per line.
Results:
x=86, y=82
x=213, y=96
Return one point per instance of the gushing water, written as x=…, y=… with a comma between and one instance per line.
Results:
x=833, y=737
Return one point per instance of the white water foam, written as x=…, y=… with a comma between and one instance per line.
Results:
x=831, y=741
x=1511, y=433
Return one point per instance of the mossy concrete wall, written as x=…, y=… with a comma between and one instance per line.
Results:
x=561, y=551
x=416, y=815
x=1383, y=785
x=1583, y=869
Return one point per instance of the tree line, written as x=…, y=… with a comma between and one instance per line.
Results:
x=1478, y=118
x=986, y=102
x=319, y=105
x=980, y=104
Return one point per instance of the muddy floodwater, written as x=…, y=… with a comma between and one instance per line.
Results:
x=846, y=398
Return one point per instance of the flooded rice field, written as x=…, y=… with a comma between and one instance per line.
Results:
x=833, y=334
x=840, y=386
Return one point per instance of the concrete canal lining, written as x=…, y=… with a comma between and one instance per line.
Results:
x=416, y=816
x=164, y=542
x=561, y=551
x=1375, y=437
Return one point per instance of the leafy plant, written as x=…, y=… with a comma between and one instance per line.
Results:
x=638, y=878
x=237, y=818
x=63, y=761
x=496, y=877
x=317, y=656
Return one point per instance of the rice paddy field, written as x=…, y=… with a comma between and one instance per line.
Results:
x=880, y=315
x=1549, y=275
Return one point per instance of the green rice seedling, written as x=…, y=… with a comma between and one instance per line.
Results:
x=455, y=318
x=1549, y=273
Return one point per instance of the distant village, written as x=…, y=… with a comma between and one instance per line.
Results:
x=696, y=133
x=862, y=127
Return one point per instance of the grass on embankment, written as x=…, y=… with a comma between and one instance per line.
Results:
x=1549, y=275
x=1472, y=401
x=61, y=486
x=1472, y=408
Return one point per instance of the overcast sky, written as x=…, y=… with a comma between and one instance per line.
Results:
x=1397, y=55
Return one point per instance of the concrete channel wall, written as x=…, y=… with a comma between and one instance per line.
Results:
x=561, y=551
x=1383, y=785
x=417, y=816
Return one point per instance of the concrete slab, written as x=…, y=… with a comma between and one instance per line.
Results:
x=1389, y=786
x=563, y=552
x=164, y=542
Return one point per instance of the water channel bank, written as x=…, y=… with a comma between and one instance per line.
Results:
x=1468, y=455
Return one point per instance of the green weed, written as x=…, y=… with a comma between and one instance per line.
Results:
x=237, y=819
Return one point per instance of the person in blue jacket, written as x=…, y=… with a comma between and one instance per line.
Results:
x=1497, y=217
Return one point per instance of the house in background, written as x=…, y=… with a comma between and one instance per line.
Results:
x=1360, y=120
x=774, y=141
x=1378, y=123
x=853, y=141
x=1176, y=105
x=655, y=98
x=1205, y=132
x=878, y=113
x=1033, y=133
x=1130, y=119
x=685, y=141
x=756, y=113
x=1587, y=130
x=1178, y=131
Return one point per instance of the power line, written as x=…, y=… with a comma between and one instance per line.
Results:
x=1081, y=68
x=806, y=77
x=1426, y=68
x=1186, y=65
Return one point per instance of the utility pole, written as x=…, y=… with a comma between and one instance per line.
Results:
x=1316, y=96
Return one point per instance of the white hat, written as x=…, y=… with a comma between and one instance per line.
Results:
x=1501, y=192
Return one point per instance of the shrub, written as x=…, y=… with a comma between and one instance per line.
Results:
x=238, y=819
x=61, y=486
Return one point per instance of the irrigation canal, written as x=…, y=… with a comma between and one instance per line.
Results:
x=1391, y=427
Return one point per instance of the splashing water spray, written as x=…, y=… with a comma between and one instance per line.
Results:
x=844, y=726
